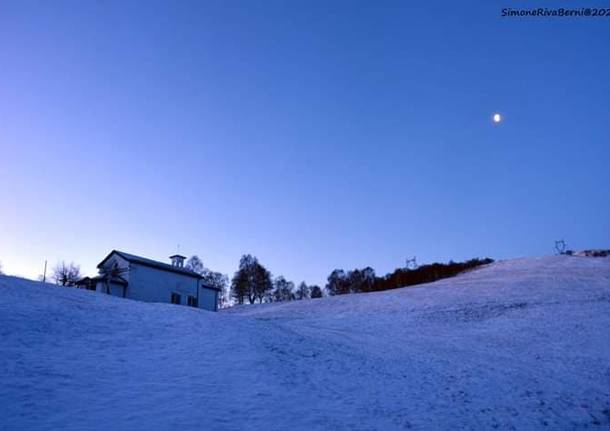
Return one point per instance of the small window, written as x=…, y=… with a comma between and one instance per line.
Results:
x=175, y=298
x=192, y=301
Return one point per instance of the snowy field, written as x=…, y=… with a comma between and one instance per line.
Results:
x=521, y=344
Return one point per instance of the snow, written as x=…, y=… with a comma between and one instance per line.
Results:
x=519, y=344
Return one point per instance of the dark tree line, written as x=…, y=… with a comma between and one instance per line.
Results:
x=340, y=282
x=254, y=283
x=251, y=282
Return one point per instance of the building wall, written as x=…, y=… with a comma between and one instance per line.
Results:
x=154, y=285
x=208, y=299
x=115, y=289
x=150, y=284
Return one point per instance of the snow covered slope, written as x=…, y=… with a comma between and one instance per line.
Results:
x=519, y=344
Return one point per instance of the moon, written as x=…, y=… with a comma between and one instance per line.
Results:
x=497, y=118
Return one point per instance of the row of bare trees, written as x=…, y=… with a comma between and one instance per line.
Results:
x=254, y=283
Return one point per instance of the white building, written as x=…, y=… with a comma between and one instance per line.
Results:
x=129, y=276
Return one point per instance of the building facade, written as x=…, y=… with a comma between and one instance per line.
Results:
x=134, y=277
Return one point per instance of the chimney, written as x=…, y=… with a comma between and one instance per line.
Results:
x=178, y=260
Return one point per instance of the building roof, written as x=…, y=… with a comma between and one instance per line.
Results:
x=132, y=258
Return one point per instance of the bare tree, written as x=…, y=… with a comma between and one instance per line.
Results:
x=283, y=290
x=66, y=274
x=195, y=264
x=112, y=273
x=316, y=292
x=303, y=291
x=224, y=297
x=337, y=283
x=239, y=284
x=252, y=281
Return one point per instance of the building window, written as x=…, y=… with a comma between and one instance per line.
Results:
x=192, y=301
x=175, y=298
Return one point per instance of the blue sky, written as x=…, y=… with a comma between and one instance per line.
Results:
x=312, y=134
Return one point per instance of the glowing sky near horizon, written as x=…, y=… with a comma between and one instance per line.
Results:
x=314, y=135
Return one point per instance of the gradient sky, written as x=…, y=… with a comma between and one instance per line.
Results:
x=312, y=134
